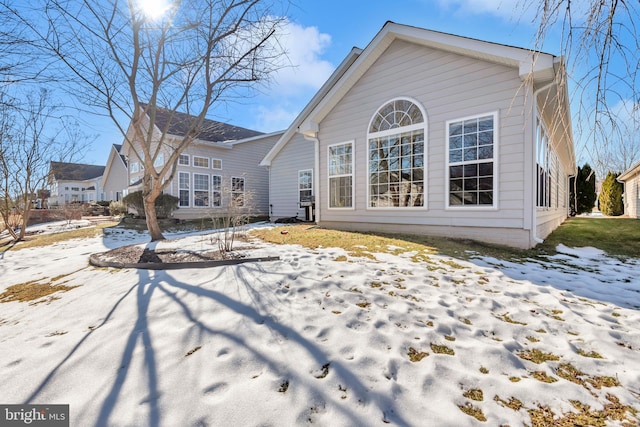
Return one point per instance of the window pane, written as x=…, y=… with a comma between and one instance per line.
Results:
x=471, y=126
x=456, y=171
x=471, y=140
x=470, y=154
x=455, y=156
x=485, y=152
x=455, y=128
x=455, y=142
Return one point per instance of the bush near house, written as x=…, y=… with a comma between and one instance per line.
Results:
x=583, y=190
x=610, y=200
x=165, y=204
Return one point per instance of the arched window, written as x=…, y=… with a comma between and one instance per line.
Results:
x=396, y=155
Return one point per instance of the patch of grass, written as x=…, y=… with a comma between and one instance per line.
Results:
x=364, y=304
x=584, y=415
x=32, y=290
x=324, y=371
x=505, y=318
x=537, y=356
x=541, y=331
x=474, y=394
x=449, y=338
x=570, y=373
x=340, y=258
x=515, y=379
x=513, y=403
x=442, y=349
x=532, y=339
x=415, y=355
x=543, y=377
x=616, y=236
x=591, y=354
x=484, y=370
x=41, y=240
x=473, y=411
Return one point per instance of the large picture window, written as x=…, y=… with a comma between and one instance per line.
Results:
x=183, y=189
x=200, y=190
x=471, y=153
x=396, y=156
x=341, y=175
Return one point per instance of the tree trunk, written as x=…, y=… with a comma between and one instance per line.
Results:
x=152, y=219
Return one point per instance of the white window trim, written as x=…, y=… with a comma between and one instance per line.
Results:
x=188, y=205
x=352, y=174
x=188, y=160
x=214, y=160
x=381, y=134
x=193, y=191
x=299, y=172
x=496, y=156
x=194, y=157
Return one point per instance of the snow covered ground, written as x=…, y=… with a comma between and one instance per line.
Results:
x=313, y=340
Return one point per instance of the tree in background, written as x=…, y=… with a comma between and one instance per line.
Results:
x=583, y=190
x=610, y=200
x=600, y=41
x=27, y=147
x=128, y=58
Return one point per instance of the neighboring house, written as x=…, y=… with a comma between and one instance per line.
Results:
x=631, y=180
x=115, y=179
x=223, y=162
x=423, y=132
x=74, y=183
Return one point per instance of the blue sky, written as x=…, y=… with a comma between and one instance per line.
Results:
x=319, y=34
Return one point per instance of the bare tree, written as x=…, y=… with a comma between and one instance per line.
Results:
x=28, y=144
x=130, y=62
x=601, y=41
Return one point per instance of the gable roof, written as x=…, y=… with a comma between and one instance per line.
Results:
x=291, y=130
x=117, y=148
x=630, y=173
x=213, y=131
x=541, y=67
x=62, y=171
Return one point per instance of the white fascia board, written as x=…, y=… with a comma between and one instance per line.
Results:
x=297, y=124
x=255, y=138
x=630, y=173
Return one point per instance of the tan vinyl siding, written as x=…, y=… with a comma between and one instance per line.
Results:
x=297, y=154
x=449, y=87
x=241, y=160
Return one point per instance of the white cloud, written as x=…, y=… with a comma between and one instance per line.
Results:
x=274, y=118
x=513, y=10
x=303, y=68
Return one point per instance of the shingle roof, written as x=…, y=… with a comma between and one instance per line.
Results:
x=117, y=148
x=210, y=130
x=75, y=171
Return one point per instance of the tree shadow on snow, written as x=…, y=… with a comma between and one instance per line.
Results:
x=261, y=311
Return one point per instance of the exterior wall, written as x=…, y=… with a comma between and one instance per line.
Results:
x=115, y=181
x=632, y=196
x=242, y=160
x=449, y=87
x=548, y=218
x=65, y=191
x=297, y=155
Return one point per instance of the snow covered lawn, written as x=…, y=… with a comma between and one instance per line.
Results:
x=324, y=338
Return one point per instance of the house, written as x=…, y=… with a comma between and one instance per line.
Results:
x=631, y=180
x=74, y=183
x=115, y=179
x=221, y=163
x=424, y=132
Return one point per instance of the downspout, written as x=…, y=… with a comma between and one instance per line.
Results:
x=316, y=172
x=534, y=211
